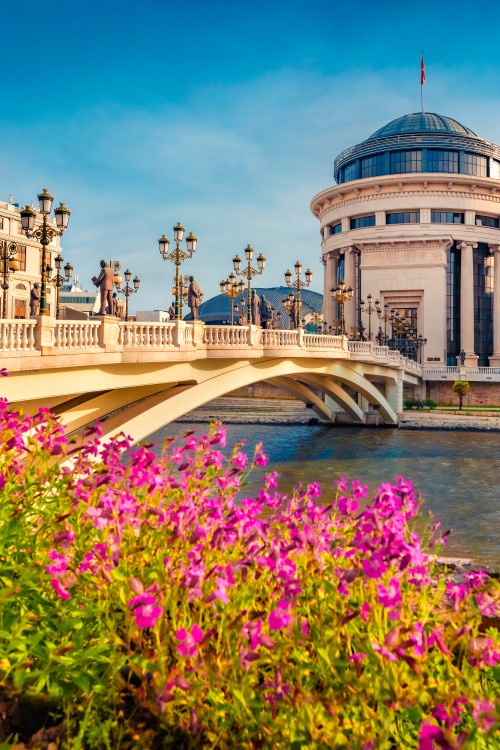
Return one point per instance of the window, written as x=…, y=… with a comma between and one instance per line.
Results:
x=350, y=172
x=21, y=257
x=363, y=221
x=405, y=217
x=372, y=166
x=336, y=228
x=406, y=161
x=446, y=217
x=442, y=161
x=474, y=164
x=487, y=221
x=495, y=169
x=1, y=223
x=19, y=308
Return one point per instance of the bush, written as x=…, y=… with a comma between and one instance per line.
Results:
x=145, y=606
x=418, y=403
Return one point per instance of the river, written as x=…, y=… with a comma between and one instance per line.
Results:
x=456, y=472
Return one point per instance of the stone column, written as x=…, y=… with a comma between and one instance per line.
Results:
x=467, y=303
x=329, y=281
x=495, y=358
x=350, y=280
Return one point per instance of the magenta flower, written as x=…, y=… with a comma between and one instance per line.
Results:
x=240, y=460
x=59, y=588
x=188, y=645
x=347, y=505
x=260, y=458
x=364, y=611
x=146, y=615
x=389, y=596
x=59, y=566
x=279, y=617
x=271, y=481
x=484, y=714
x=373, y=567
x=3, y=372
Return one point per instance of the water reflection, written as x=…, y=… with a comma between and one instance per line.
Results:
x=456, y=472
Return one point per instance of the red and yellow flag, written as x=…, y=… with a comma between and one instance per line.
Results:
x=422, y=71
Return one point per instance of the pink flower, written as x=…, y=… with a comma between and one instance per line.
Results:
x=347, y=505
x=59, y=566
x=484, y=714
x=389, y=596
x=373, y=567
x=314, y=489
x=3, y=372
x=364, y=610
x=271, y=481
x=59, y=589
x=146, y=615
x=188, y=645
x=260, y=458
x=279, y=618
x=239, y=460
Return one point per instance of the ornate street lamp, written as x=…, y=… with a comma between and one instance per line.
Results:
x=385, y=317
x=342, y=294
x=10, y=264
x=127, y=290
x=370, y=309
x=44, y=233
x=248, y=272
x=232, y=289
x=421, y=342
x=288, y=303
x=58, y=280
x=298, y=284
x=177, y=256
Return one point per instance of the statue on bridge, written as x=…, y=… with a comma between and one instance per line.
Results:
x=294, y=313
x=266, y=313
x=105, y=282
x=255, y=308
x=194, y=297
x=35, y=299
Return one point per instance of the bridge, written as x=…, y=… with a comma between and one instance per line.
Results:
x=137, y=377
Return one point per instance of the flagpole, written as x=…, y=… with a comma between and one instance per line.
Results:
x=422, y=80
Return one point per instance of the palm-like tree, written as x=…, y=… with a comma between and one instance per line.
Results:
x=462, y=388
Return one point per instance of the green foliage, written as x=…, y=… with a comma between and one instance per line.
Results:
x=418, y=403
x=149, y=603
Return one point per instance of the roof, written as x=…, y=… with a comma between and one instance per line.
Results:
x=422, y=122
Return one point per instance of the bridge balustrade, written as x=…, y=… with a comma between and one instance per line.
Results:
x=146, y=335
x=76, y=335
x=17, y=335
x=224, y=336
x=276, y=339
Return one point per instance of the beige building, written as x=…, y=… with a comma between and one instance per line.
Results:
x=29, y=257
x=414, y=220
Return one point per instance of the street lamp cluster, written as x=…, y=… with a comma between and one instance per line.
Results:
x=232, y=289
x=342, y=294
x=10, y=264
x=127, y=290
x=177, y=255
x=297, y=284
x=249, y=271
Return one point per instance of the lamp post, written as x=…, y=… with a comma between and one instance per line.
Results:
x=127, y=290
x=232, y=289
x=369, y=310
x=177, y=256
x=59, y=280
x=342, y=294
x=249, y=271
x=287, y=303
x=44, y=233
x=10, y=264
x=298, y=284
x=385, y=317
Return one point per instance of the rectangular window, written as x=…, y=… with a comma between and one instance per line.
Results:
x=336, y=228
x=406, y=161
x=19, y=308
x=21, y=257
x=404, y=217
x=474, y=164
x=1, y=223
x=446, y=217
x=363, y=221
x=495, y=169
x=442, y=161
x=350, y=172
x=372, y=166
x=487, y=221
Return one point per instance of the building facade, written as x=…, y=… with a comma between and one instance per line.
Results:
x=414, y=220
x=29, y=257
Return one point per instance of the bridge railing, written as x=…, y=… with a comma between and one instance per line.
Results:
x=17, y=335
x=141, y=335
x=225, y=336
x=82, y=334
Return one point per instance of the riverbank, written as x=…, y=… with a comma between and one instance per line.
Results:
x=251, y=410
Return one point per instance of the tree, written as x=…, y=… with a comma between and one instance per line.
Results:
x=462, y=387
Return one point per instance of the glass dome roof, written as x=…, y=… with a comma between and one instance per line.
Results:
x=421, y=122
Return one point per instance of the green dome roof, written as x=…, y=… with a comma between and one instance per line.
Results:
x=421, y=122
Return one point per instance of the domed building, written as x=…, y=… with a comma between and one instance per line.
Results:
x=414, y=220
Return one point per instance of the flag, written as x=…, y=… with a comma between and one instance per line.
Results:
x=422, y=71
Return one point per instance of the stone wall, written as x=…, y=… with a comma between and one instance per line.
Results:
x=480, y=394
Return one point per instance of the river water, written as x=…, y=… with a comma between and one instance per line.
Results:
x=456, y=472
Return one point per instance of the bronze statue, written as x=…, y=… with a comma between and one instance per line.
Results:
x=105, y=283
x=171, y=312
x=114, y=308
x=255, y=308
x=194, y=297
x=266, y=313
x=35, y=300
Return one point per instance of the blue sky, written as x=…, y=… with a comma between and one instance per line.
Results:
x=224, y=115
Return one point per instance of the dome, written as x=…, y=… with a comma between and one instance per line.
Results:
x=421, y=122
x=219, y=307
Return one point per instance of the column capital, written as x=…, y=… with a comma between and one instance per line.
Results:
x=462, y=244
x=494, y=248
